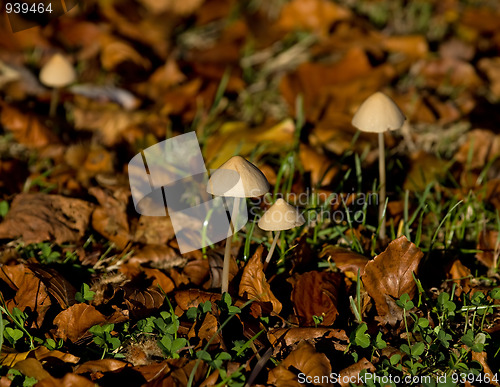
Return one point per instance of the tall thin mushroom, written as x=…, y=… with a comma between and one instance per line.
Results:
x=252, y=183
x=378, y=114
x=279, y=217
x=57, y=73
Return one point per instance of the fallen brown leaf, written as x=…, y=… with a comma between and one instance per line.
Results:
x=347, y=261
x=352, y=372
x=253, y=282
x=32, y=368
x=292, y=336
x=390, y=274
x=74, y=322
x=488, y=243
x=316, y=294
x=304, y=359
x=26, y=127
x=100, y=366
x=69, y=380
x=40, y=217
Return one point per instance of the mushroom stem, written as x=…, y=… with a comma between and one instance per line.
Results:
x=271, y=250
x=227, y=252
x=381, y=172
x=54, y=100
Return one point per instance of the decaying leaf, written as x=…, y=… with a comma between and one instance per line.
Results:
x=347, y=261
x=39, y=217
x=490, y=248
x=316, y=294
x=292, y=336
x=390, y=274
x=31, y=293
x=352, y=372
x=74, y=322
x=26, y=127
x=254, y=284
x=304, y=359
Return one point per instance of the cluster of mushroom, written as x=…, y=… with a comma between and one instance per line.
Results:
x=252, y=183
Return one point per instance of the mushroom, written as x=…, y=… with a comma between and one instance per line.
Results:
x=378, y=114
x=251, y=183
x=57, y=73
x=279, y=217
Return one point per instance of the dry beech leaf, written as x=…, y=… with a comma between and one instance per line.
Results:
x=31, y=294
x=110, y=218
x=318, y=165
x=352, y=372
x=69, y=380
x=253, y=282
x=305, y=360
x=186, y=299
x=142, y=302
x=74, y=322
x=312, y=15
x=292, y=336
x=347, y=261
x=43, y=353
x=237, y=135
x=58, y=286
x=481, y=357
x=26, y=127
x=32, y=368
x=154, y=230
x=461, y=276
x=40, y=217
x=109, y=122
x=485, y=146
x=100, y=366
x=207, y=330
x=490, y=246
x=316, y=294
x=390, y=274
x=115, y=52
x=178, y=372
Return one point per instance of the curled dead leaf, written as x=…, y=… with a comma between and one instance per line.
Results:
x=316, y=294
x=40, y=217
x=390, y=274
x=74, y=322
x=253, y=282
x=305, y=360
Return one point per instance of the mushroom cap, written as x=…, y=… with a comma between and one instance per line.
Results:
x=281, y=216
x=248, y=182
x=57, y=72
x=378, y=114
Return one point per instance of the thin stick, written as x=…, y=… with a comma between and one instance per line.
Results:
x=381, y=172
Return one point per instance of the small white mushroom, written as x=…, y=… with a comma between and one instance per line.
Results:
x=57, y=73
x=378, y=114
x=279, y=217
x=252, y=183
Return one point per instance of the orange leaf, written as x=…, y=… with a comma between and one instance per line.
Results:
x=74, y=322
x=254, y=284
x=316, y=294
x=390, y=274
x=39, y=217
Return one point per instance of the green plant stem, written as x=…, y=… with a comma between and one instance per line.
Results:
x=381, y=171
